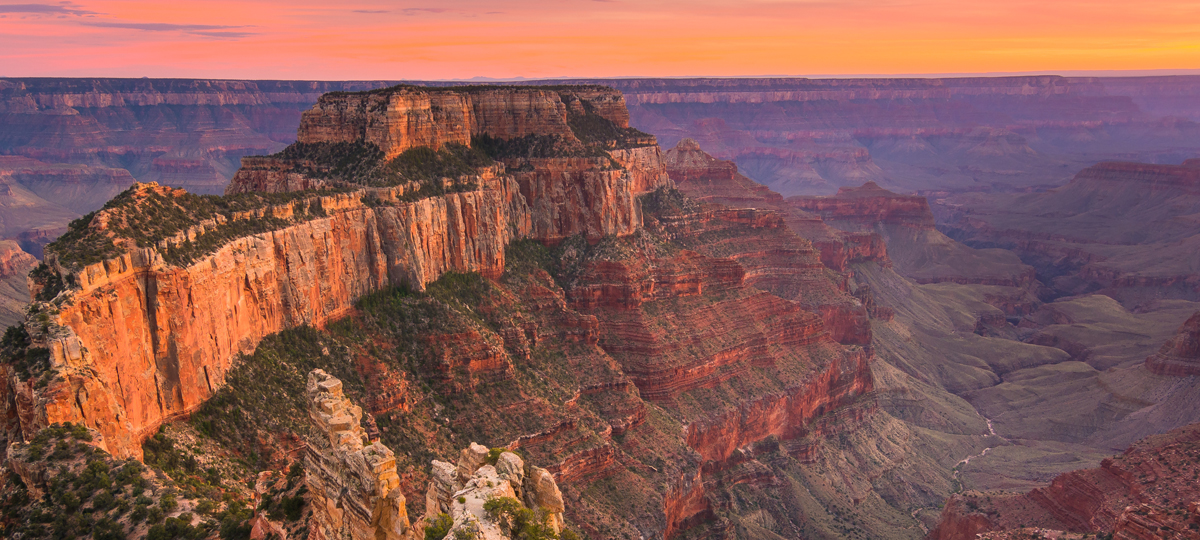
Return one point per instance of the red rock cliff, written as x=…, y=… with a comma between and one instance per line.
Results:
x=140, y=341
x=868, y=205
x=400, y=118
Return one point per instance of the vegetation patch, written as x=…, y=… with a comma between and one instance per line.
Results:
x=265, y=392
x=86, y=493
x=667, y=202
x=361, y=163
x=15, y=351
x=534, y=146
x=594, y=129
x=344, y=160
x=145, y=217
x=521, y=523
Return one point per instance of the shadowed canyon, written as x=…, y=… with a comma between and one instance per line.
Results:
x=635, y=308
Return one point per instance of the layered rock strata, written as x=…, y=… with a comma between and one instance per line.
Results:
x=403, y=117
x=1179, y=357
x=140, y=340
x=870, y=215
x=689, y=329
x=870, y=204
x=1114, y=229
x=784, y=250
x=355, y=489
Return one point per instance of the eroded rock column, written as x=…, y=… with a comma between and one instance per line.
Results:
x=355, y=489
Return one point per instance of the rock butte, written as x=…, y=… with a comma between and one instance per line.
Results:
x=141, y=341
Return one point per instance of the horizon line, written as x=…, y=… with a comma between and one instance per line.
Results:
x=1115, y=73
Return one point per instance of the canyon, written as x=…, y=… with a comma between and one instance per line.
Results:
x=887, y=319
x=136, y=322
x=150, y=336
x=1104, y=232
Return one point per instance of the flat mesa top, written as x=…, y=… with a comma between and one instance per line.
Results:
x=480, y=88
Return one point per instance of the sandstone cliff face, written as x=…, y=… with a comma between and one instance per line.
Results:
x=141, y=341
x=1180, y=356
x=355, y=489
x=401, y=118
x=578, y=196
x=151, y=341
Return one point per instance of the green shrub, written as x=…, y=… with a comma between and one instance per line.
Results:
x=206, y=507
x=52, y=282
x=102, y=501
x=438, y=527
x=494, y=455
x=70, y=501
x=519, y=522
x=234, y=524
x=15, y=351
x=293, y=508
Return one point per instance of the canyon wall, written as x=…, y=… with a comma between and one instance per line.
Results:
x=140, y=341
x=153, y=340
x=1113, y=229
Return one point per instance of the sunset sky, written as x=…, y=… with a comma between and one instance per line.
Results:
x=458, y=39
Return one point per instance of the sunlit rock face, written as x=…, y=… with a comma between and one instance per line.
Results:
x=143, y=341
